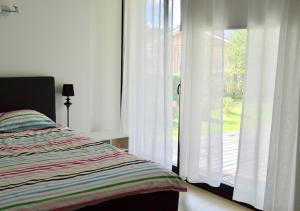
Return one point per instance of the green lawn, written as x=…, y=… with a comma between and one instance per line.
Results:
x=175, y=130
x=231, y=118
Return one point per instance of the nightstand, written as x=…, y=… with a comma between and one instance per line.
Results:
x=115, y=138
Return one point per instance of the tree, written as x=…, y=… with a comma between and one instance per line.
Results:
x=235, y=57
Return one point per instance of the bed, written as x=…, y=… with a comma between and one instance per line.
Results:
x=59, y=169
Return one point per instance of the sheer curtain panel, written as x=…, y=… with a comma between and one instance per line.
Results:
x=266, y=164
x=262, y=50
x=280, y=188
x=202, y=91
x=147, y=79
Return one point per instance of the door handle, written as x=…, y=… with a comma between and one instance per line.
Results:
x=178, y=88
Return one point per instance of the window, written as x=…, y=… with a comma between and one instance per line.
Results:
x=176, y=76
x=234, y=71
x=235, y=45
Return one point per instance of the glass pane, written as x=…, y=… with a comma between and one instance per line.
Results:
x=176, y=75
x=235, y=43
x=176, y=14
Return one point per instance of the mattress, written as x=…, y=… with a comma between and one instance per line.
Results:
x=58, y=169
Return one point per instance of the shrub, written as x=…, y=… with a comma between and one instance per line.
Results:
x=229, y=104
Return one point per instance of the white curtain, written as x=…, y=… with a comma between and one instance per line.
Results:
x=147, y=79
x=280, y=188
x=268, y=131
x=202, y=91
x=262, y=48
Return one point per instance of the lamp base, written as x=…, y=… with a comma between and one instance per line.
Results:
x=68, y=104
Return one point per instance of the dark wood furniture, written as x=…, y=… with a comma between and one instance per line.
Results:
x=157, y=201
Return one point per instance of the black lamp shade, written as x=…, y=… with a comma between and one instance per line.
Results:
x=68, y=90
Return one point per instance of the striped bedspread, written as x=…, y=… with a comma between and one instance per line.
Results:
x=57, y=169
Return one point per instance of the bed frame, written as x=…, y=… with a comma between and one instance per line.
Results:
x=38, y=93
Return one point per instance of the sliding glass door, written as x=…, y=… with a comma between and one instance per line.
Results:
x=234, y=71
x=235, y=41
x=234, y=57
x=177, y=46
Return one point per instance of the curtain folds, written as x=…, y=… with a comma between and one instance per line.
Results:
x=280, y=188
x=147, y=79
x=269, y=134
x=262, y=49
x=268, y=138
x=201, y=126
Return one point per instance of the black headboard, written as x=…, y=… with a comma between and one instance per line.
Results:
x=37, y=93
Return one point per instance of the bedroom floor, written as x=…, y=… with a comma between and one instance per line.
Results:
x=197, y=199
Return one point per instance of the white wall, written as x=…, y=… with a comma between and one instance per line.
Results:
x=107, y=58
x=73, y=41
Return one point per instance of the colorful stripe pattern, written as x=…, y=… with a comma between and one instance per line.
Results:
x=56, y=169
x=20, y=120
